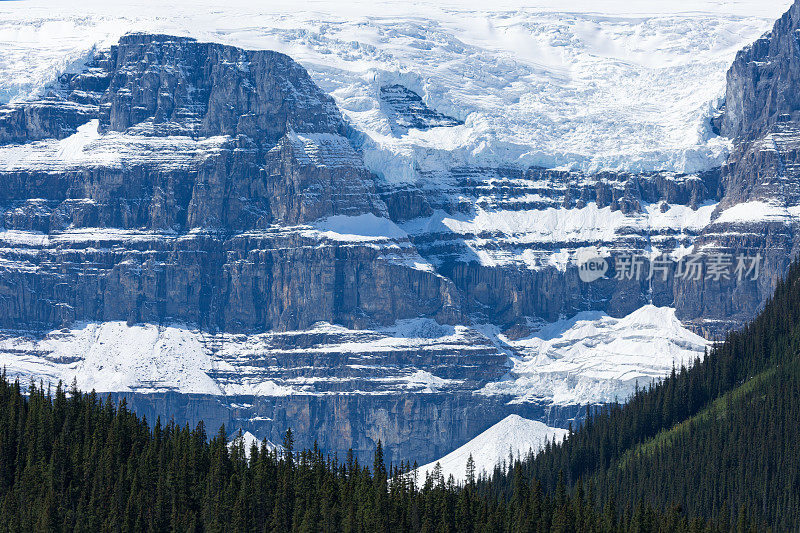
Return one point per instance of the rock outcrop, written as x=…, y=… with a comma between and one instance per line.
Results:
x=760, y=182
x=762, y=82
x=406, y=110
x=179, y=182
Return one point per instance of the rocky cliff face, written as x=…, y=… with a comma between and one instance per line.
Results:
x=761, y=83
x=177, y=182
x=760, y=183
x=406, y=110
x=507, y=238
x=187, y=184
x=192, y=225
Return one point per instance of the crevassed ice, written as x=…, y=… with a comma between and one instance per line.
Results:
x=622, y=85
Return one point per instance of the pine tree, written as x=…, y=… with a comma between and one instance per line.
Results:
x=470, y=472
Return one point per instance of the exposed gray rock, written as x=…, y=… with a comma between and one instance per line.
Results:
x=270, y=156
x=762, y=116
x=407, y=110
x=210, y=89
x=762, y=82
x=416, y=427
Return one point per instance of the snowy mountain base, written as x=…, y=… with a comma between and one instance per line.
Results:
x=442, y=192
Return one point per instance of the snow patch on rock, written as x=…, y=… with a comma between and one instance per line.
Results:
x=758, y=211
x=365, y=227
x=593, y=358
x=112, y=356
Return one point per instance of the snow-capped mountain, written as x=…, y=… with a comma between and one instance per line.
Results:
x=377, y=236
x=512, y=438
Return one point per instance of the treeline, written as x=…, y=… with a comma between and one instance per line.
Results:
x=720, y=439
x=71, y=462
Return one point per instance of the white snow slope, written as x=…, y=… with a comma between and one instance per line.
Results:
x=115, y=357
x=590, y=358
x=112, y=356
x=593, y=357
x=513, y=436
x=247, y=440
x=590, y=85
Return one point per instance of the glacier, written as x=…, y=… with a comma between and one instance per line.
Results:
x=625, y=85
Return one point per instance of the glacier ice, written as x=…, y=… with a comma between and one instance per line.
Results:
x=629, y=85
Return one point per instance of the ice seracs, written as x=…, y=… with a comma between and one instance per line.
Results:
x=629, y=85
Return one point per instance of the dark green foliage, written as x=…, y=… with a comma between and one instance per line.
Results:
x=718, y=440
x=69, y=462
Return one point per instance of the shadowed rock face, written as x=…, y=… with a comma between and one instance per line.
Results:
x=406, y=110
x=178, y=182
x=209, y=89
x=762, y=116
x=499, y=233
x=425, y=425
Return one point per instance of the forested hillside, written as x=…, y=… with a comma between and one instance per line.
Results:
x=69, y=462
x=709, y=448
x=719, y=439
